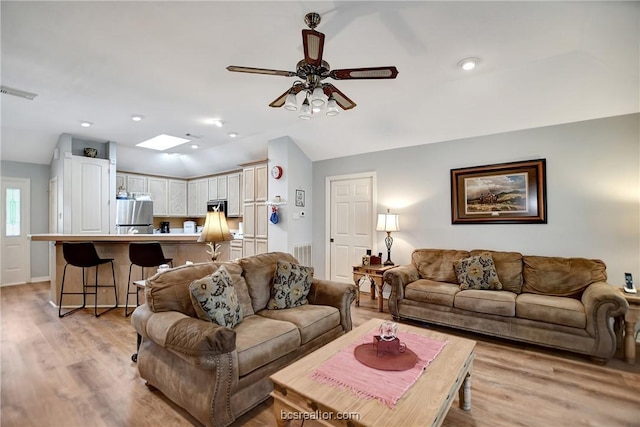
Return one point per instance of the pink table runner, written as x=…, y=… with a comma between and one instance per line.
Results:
x=346, y=373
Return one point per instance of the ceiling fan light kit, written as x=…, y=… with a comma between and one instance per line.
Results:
x=312, y=70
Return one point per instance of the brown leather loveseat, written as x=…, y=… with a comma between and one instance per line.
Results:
x=217, y=373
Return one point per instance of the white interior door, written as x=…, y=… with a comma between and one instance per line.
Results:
x=15, y=219
x=351, y=224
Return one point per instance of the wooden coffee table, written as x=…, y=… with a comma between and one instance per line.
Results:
x=426, y=403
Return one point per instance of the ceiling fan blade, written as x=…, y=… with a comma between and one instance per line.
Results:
x=365, y=73
x=341, y=99
x=313, y=42
x=260, y=71
x=279, y=101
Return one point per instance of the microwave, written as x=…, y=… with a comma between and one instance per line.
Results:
x=217, y=205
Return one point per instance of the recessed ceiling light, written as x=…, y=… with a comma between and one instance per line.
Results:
x=85, y=124
x=215, y=122
x=233, y=134
x=468, y=64
x=162, y=142
x=194, y=146
x=137, y=117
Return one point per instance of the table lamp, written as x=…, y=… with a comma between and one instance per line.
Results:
x=388, y=222
x=215, y=230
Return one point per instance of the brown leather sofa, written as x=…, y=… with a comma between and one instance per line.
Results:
x=217, y=373
x=563, y=303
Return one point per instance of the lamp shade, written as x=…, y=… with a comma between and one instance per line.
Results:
x=215, y=228
x=388, y=222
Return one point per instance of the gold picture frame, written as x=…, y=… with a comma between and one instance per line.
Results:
x=505, y=193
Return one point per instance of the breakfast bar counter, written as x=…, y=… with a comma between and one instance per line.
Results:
x=180, y=247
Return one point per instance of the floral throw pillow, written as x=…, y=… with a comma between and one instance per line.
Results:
x=477, y=272
x=291, y=285
x=217, y=299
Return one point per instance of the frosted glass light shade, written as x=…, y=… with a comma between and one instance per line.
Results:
x=317, y=99
x=332, y=107
x=291, y=102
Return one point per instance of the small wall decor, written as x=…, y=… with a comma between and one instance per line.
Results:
x=505, y=193
x=300, y=198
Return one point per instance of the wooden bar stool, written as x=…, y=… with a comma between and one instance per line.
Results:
x=143, y=254
x=84, y=255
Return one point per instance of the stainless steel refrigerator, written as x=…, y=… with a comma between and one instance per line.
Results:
x=134, y=216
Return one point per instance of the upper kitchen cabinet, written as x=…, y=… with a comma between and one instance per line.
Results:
x=234, y=184
x=213, y=188
x=159, y=190
x=177, y=197
x=169, y=196
x=136, y=184
x=222, y=188
x=198, y=194
x=255, y=183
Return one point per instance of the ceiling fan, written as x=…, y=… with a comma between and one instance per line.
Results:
x=312, y=70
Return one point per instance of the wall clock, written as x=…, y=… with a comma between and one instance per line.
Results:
x=276, y=172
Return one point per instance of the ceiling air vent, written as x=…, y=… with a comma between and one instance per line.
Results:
x=17, y=92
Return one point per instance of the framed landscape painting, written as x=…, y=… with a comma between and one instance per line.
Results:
x=505, y=193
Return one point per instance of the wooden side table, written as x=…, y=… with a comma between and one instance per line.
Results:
x=375, y=273
x=630, y=320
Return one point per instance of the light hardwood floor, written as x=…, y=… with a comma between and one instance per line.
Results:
x=77, y=371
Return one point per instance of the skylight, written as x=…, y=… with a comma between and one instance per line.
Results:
x=162, y=142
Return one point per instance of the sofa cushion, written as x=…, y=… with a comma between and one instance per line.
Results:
x=501, y=303
x=437, y=264
x=477, y=272
x=551, y=309
x=291, y=285
x=215, y=299
x=260, y=340
x=561, y=276
x=169, y=290
x=258, y=271
x=311, y=320
x=509, y=268
x=433, y=292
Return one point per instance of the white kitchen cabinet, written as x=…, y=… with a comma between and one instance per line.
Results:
x=203, y=197
x=177, y=197
x=248, y=247
x=136, y=184
x=90, y=195
x=213, y=188
x=222, y=187
x=261, y=186
x=235, y=249
x=159, y=190
x=192, y=198
x=255, y=210
x=121, y=182
x=262, y=221
x=248, y=184
x=233, y=194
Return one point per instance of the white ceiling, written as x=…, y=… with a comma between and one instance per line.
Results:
x=542, y=63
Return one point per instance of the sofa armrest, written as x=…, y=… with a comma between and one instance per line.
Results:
x=182, y=334
x=601, y=303
x=336, y=294
x=398, y=278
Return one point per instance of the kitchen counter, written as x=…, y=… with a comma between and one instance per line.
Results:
x=159, y=237
x=179, y=246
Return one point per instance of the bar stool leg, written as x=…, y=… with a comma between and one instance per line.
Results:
x=62, y=293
